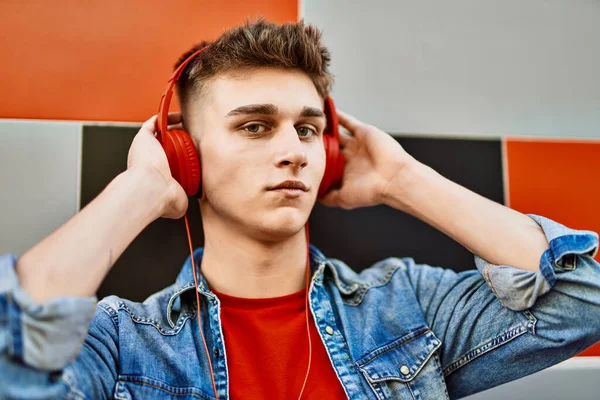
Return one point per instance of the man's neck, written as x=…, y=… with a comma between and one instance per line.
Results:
x=238, y=265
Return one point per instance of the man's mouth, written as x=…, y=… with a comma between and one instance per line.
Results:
x=290, y=188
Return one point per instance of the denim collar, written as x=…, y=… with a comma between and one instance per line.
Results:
x=185, y=279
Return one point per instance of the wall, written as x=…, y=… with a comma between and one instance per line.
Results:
x=501, y=97
x=466, y=67
x=106, y=60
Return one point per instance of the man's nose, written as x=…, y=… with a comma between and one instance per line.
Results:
x=291, y=150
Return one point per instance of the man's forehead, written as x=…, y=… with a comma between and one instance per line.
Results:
x=272, y=90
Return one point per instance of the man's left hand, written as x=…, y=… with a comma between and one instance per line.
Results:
x=373, y=160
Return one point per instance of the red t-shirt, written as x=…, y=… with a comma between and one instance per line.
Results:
x=267, y=350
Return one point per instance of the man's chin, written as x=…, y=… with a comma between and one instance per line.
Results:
x=283, y=224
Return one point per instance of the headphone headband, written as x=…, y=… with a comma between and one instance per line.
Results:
x=165, y=100
x=184, y=159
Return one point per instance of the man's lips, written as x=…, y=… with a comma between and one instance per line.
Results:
x=290, y=185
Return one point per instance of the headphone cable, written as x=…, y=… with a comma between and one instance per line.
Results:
x=212, y=375
x=306, y=308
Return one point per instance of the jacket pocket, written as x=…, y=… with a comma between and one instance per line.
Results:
x=406, y=368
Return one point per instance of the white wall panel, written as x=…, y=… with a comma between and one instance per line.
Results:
x=39, y=180
x=485, y=67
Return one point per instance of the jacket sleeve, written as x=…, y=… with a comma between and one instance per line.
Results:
x=499, y=323
x=47, y=350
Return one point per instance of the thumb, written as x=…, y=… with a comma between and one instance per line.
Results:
x=331, y=198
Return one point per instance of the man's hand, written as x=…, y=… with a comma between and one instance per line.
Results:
x=75, y=258
x=373, y=160
x=147, y=159
x=379, y=171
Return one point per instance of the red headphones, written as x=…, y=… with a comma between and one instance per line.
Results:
x=184, y=161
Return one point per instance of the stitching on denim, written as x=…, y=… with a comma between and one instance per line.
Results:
x=370, y=384
x=156, y=384
x=438, y=368
x=531, y=321
x=150, y=321
x=485, y=348
x=363, y=289
x=409, y=386
x=71, y=392
x=170, y=392
x=486, y=272
x=345, y=289
x=413, y=375
x=388, y=347
x=112, y=313
x=376, y=389
x=172, y=298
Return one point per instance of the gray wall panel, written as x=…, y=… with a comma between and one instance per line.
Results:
x=466, y=66
x=39, y=174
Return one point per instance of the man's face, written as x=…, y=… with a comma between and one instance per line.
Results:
x=256, y=131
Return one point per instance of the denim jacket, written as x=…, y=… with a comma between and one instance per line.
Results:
x=397, y=330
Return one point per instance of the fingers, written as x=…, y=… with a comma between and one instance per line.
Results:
x=349, y=122
x=345, y=138
x=176, y=126
x=174, y=118
x=150, y=125
x=331, y=198
x=174, y=121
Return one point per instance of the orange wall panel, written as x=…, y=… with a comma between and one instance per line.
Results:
x=559, y=180
x=107, y=60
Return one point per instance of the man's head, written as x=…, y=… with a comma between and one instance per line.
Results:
x=253, y=102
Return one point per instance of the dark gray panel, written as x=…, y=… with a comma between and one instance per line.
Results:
x=363, y=236
x=155, y=257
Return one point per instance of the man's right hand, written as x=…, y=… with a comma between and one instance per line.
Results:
x=75, y=258
x=148, y=160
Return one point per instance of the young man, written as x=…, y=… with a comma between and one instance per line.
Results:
x=253, y=104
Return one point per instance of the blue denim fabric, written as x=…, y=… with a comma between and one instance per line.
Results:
x=400, y=330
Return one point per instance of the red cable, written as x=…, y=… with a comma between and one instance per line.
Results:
x=212, y=375
x=306, y=310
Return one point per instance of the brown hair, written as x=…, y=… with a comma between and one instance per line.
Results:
x=257, y=44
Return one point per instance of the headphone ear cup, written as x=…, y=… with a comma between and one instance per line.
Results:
x=183, y=160
x=334, y=159
x=330, y=159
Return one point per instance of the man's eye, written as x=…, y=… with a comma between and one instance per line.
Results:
x=305, y=131
x=255, y=128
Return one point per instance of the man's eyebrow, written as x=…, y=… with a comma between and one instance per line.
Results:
x=266, y=109
x=311, y=112
x=271, y=109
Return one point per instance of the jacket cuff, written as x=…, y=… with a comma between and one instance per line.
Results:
x=45, y=336
x=519, y=289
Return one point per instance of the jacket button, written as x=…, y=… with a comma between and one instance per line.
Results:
x=329, y=330
x=404, y=370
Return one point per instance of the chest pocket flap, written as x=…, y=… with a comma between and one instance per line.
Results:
x=401, y=359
